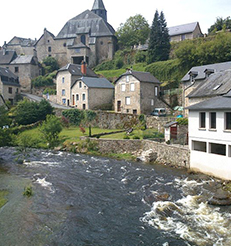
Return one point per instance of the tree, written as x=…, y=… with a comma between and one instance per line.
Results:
x=220, y=24
x=27, y=112
x=159, y=42
x=51, y=129
x=133, y=32
x=50, y=64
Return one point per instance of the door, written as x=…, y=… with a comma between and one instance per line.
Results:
x=173, y=132
x=118, y=106
x=73, y=100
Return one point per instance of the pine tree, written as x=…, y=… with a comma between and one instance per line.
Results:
x=159, y=43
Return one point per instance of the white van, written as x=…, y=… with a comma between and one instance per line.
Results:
x=159, y=112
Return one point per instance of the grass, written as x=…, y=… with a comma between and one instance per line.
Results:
x=3, y=200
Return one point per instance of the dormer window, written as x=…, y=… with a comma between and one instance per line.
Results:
x=193, y=75
x=208, y=72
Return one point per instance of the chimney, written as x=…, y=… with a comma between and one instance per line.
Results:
x=84, y=68
x=4, y=48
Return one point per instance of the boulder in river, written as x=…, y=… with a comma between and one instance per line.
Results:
x=220, y=198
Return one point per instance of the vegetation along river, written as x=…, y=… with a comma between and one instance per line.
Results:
x=84, y=200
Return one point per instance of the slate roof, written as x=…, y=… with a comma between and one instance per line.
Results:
x=8, y=78
x=98, y=4
x=27, y=59
x=25, y=42
x=75, y=70
x=217, y=103
x=182, y=29
x=217, y=67
x=97, y=83
x=9, y=56
x=141, y=76
x=216, y=84
x=84, y=23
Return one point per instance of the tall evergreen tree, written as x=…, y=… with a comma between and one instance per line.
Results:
x=159, y=43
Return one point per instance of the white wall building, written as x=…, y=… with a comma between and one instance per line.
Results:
x=210, y=136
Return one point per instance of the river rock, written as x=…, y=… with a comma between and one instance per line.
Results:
x=147, y=156
x=220, y=198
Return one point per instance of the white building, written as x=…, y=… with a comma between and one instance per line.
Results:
x=210, y=136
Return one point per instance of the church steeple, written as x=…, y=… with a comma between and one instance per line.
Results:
x=99, y=9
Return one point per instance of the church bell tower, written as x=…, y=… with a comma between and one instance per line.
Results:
x=99, y=9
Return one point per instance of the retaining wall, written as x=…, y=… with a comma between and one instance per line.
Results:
x=167, y=154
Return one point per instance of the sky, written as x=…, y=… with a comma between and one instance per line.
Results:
x=27, y=18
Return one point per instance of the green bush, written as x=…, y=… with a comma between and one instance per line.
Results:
x=149, y=133
x=50, y=91
x=140, y=56
x=106, y=65
x=75, y=116
x=42, y=81
x=182, y=121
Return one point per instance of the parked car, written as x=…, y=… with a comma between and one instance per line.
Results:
x=159, y=112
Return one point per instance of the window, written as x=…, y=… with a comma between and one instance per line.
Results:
x=77, y=97
x=83, y=39
x=63, y=80
x=213, y=123
x=202, y=120
x=80, y=84
x=49, y=49
x=64, y=100
x=218, y=149
x=63, y=92
x=199, y=146
x=156, y=91
x=127, y=100
x=16, y=70
x=84, y=106
x=123, y=87
x=84, y=97
x=182, y=37
x=132, y=87
x=127, y=78
x=228, y=121
x=10, y=91
x=152, y=102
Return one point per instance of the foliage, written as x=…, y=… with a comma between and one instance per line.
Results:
x=5, y=137
x=75, y=116
x=106, y=65
x=51, y=129
x=220, y=24
x=28, y=191
x=159, y=42
x=3, y=200
x=50, y=64
x=140, y=56
x=170, y=70
x=4, y=118
x=150, y=133
x=89, y=145
x=204, y=51
x=49, y=91
x=182, y=121
x=65, y=122
x=25, y=140
x=133, y=32
x=27, y=112
x=42, y=81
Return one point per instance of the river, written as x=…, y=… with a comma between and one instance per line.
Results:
x=92, y=201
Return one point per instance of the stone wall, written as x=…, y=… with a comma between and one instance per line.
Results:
x=166, y=154
x=156, y=122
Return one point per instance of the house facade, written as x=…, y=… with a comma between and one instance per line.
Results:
x=26, y=67
x=210, y=136
x=186, y=31
x=9, y=86
x=137, y=93
x=78, y=86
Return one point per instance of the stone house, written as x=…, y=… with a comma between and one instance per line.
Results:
x=210, y=136
x=186, y=31
x=137, y=93
x=9, y=85
x=88, y=37
x=78, y=86
x=26, y=67
x=197, y=76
